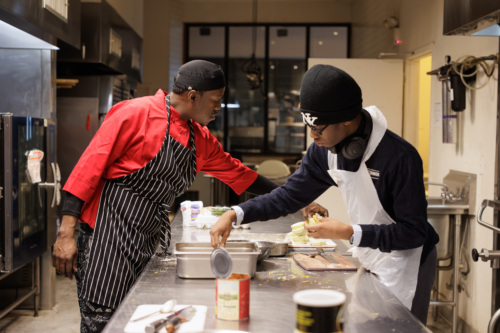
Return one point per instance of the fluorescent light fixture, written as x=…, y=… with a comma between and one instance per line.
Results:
x=493, y=30
x=231, y=105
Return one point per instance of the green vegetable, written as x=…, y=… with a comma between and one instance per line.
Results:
x=218, y=211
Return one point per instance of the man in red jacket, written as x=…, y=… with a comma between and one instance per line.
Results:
x=146, y=153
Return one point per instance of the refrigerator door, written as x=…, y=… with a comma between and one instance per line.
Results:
x=23, y=205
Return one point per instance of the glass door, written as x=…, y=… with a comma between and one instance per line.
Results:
x=287, y=65
x=24, y=223
x=264, y=65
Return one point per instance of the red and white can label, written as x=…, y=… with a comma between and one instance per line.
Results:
x=232, y=300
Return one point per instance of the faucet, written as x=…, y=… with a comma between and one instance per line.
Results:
x=446, y=194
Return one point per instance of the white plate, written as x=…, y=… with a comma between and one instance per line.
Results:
x=328, y=243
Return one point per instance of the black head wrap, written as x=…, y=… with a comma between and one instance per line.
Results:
x=328, y=95
x=200, y=75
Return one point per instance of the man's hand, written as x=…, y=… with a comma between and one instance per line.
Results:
x=65, y=252
x=312, y=209
x=222, y=228
x=329, y=228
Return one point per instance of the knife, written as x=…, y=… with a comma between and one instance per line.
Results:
x=157, y=324
x=328, y=257
x=174, y=323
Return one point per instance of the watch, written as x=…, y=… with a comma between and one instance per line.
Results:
x=352, y=239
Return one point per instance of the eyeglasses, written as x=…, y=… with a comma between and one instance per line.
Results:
x=319, y=132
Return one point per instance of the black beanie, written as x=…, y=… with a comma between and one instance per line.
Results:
x=328, y=95
x=200, y=75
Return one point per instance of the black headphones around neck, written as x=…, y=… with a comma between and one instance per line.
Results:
x=356, y=146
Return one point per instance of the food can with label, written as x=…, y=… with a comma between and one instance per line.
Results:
x=232, y=290
x=232, y=300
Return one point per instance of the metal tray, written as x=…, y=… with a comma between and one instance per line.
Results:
x=193, y=259
x=279, y=250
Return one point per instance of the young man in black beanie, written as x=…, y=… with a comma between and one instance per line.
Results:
x=146, y=153
x=380, y=177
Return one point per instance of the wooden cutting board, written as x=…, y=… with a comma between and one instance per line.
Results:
x=319, y=263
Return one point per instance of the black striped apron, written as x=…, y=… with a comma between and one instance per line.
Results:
x=133, y=217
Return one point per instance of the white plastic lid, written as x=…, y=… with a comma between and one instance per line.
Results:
x=319, y=297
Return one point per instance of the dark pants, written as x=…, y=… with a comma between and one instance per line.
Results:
x=426, y=276
x=94, y=317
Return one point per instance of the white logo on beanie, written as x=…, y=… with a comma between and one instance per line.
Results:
x=306, y=117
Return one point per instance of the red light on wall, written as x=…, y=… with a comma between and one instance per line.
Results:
x=397, y=39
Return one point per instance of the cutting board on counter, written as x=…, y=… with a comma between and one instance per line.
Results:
x=320, y=263
x=196, y=324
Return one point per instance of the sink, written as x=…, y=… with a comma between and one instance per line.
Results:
x=446, y=207
x=439, y=215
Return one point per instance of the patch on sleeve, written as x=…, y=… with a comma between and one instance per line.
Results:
x=375, y=174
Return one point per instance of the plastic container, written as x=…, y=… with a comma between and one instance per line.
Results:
x=319, y=310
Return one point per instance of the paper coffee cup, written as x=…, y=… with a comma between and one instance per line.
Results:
x=319, y=310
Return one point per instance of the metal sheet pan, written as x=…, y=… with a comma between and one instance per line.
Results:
x=193, y=259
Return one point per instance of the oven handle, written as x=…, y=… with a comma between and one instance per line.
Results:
x=488, y=203
x=56, y=185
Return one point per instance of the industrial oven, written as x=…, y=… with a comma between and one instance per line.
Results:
x=23, y=218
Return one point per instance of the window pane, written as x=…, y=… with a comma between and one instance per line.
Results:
x=245, y=98
x=207, y=43
x=328, y=42
x=287, y=65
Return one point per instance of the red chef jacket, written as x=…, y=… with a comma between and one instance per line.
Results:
x=131, y=135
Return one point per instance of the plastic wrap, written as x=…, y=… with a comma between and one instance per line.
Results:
x=373, y=308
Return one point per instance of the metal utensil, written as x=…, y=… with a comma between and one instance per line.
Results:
x=165, y=308
x=329, y=258
x=157, y=324
x=184, y=316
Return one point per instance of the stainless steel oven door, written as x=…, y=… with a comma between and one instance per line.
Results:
x=23, y=203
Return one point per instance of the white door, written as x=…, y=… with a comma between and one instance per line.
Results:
x=381, y=82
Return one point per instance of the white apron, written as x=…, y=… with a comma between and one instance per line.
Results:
x=398, y=270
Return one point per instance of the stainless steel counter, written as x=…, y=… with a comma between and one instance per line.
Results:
x=370, y=306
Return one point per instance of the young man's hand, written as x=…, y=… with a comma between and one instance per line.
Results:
x=312, y=209
x=222, y=229
x=330, y=229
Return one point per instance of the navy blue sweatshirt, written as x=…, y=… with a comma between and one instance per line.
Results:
x=396, y=171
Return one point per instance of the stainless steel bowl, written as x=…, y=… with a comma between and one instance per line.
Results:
x=280, y=249
x=265, y=248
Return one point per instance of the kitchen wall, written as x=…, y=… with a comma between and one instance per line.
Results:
x=130, y=10
x=475, y=151
x=156, y=46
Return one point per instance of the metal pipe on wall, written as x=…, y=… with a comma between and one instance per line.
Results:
x=449, y=119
